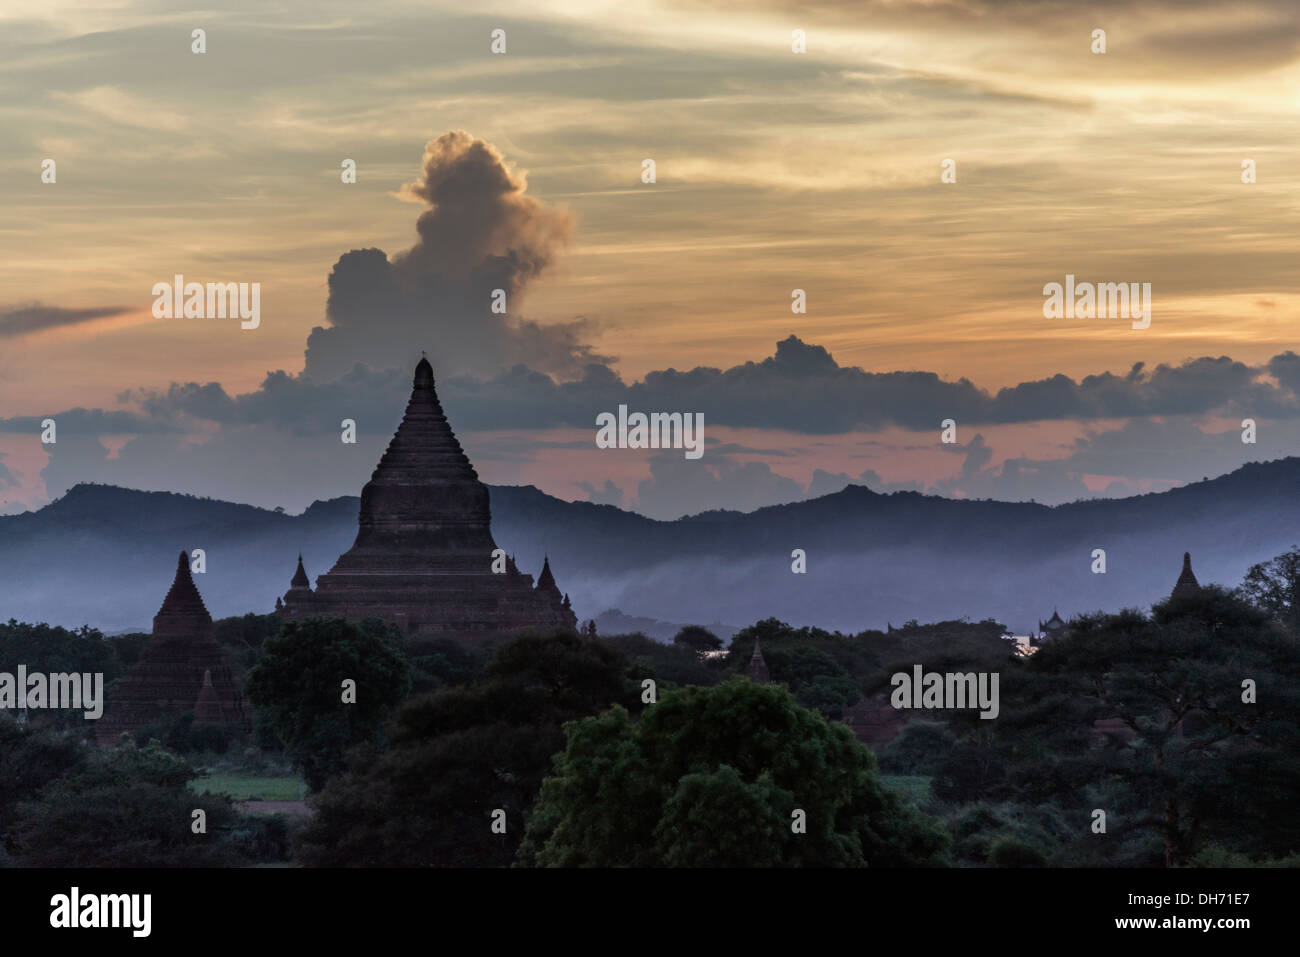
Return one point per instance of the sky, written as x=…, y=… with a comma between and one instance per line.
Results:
x=774, y=171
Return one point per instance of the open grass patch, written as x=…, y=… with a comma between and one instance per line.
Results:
x=914, y=788
x=242, y=786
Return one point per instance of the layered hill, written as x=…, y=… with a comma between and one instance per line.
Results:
x=104, y=555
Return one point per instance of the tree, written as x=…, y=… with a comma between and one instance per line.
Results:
x=49, y=649
x=722, y=776
x=129, y=807
x=31, y=756
x=1181, y=726
x=459, y=754
x=299, y=683
x=1274, y=586
x=698, y=639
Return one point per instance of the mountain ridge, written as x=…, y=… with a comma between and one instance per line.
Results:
x=101, y=554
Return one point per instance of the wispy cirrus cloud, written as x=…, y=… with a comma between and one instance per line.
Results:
x=35, y=317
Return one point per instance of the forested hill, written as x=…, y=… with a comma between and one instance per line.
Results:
x=105, y=555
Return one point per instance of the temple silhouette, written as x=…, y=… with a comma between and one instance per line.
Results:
x=424, y=554
x=182, y=669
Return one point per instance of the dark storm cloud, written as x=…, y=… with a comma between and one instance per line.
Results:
x=296, y=404
x=34, y=317
x=1286, y=369
x=802, y=389
x=799, y=389
x=481, y=232
x=81, y=421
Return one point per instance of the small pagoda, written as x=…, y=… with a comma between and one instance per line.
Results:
x=1187, y=586
x=182, y=669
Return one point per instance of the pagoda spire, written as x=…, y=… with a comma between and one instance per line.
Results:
x=546, y=580
x=182, y=611
x=757, y=671
x=300, y=579
x=1187, y=586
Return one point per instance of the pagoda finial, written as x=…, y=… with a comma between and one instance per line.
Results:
x=423, y=373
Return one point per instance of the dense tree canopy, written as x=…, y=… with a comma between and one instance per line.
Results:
x=458, y=755
x=299, y=684
x=1274, y=586
x=127, y=807
x=48, y=649
x=1181, y=726
x=717, y=776
x=697, y=638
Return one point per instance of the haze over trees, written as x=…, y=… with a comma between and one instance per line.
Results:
x=1181, y=725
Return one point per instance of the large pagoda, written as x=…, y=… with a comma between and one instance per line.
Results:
x=182, y=669
x=424, y=554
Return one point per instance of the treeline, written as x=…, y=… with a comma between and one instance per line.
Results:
x=1166, y=738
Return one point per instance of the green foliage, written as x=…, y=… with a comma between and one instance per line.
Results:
x=298, y=684
x=698, y=639
x=31, y=756
x=456, y=755
x=823, y=668
x=129, y=646
x=671, y=665
x=180, y=734
x=736, y=759
x=1012, y=852
x=829, y=694
x=128, y=807
x=919, y=749
x=998, y=835
x=1190, y=763
x=443, y=662
x=1274, y=587
x=243, y=637
x=1213, y=855
x=51, y=650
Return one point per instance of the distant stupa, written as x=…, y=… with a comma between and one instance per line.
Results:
x=423, y=556
x=181, y=669
x=1054, y=627
x=1187, y=586
x=757, y=670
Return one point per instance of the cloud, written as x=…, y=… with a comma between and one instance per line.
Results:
x=800, y=389
x=479, y=230
x=35, y=317
x=79, y=421
x=480, y=233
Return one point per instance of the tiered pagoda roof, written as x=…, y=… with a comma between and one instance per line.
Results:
x=182, y=669
x=423, y=552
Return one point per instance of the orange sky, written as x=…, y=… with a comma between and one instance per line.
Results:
x=775, y=171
